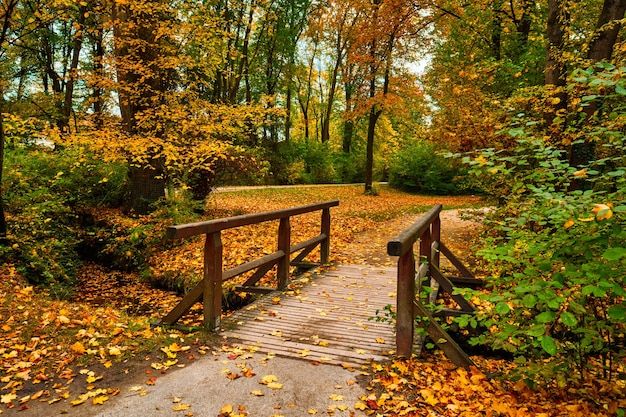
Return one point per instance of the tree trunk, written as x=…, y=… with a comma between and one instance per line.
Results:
x=137, y=93
x=496, y=29
x=369, y=158
x=3, y=222
x=73, y=71
x=348, y=124
x=98, y=65
x=600, y=49
x=331, y=92
x=556, y=69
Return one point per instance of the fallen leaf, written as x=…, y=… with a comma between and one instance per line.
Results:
x=100, y=400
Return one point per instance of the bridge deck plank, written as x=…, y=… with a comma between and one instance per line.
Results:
x=330, y=319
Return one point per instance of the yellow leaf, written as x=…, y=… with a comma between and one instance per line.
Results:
x=360, y=406
x=79, y=401
x=92, y=378
x=268, y=379
x=602, y=212
x=114, y=351
x=227, y=409
x=275, y=385
x=257, y=392
x=569, y=224
x=336, y=397
x=181, y=407
x=380, y=340
x=312, y=411
x=108, y=364
x=7, y=398
x=100, y=400
x=582, y=173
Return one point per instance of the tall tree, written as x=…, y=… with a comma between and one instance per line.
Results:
x=142, y=82
x=384, y=36
x=7, y=10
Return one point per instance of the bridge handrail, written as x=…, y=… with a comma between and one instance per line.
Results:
x=209, y=290
x=216, y=225
x=427, y=230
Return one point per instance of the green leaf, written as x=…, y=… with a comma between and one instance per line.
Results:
x=549, y=345
x=569, y=319
x=617, y=312
x=536, y=330
x=502, y=308
x=546, y=317
x=620, y=89
x=613, y=254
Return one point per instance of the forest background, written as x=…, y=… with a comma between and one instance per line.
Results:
x=148, y=105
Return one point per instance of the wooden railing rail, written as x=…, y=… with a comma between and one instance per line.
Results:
x=427, y=231
x=209, y=290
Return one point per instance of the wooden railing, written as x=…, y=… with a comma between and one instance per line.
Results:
x=427, y=230
x=209, y=290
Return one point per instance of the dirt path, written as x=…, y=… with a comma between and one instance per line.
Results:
x=459, y=230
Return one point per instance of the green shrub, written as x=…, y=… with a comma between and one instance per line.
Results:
x=420, y=168
x=46, y=193
x=558, y=253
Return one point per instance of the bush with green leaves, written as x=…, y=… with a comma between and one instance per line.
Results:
x=558, y=246
x=420, y=168
x=46, y=192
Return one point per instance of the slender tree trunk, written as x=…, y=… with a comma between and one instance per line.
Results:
x=98, y=64
x=556, y=68
x=3, y=222
x=331, y=92
x=348, y=124
x=73, y=70
x=369, y=158
x=496, y=29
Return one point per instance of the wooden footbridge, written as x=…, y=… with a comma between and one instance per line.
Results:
x=331, y=316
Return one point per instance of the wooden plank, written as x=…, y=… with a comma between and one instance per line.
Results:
x=211, y=226
x=212, y=292
x=331, y=307
x=442, y=339
x=454, y=260
x=255, y=290
x=249, y=266
x=404, y=305
x=404, y=241
x=192, y=297
x=314, y=241
x=467, y=281
x=284, y=244
x=448, y=287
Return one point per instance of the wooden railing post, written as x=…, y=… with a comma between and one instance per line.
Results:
x=284, y=242
x=212, y=293
x=436, y=241
x=325, y=230
x=404, y=307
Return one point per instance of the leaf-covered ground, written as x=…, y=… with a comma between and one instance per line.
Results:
x=59, y=356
